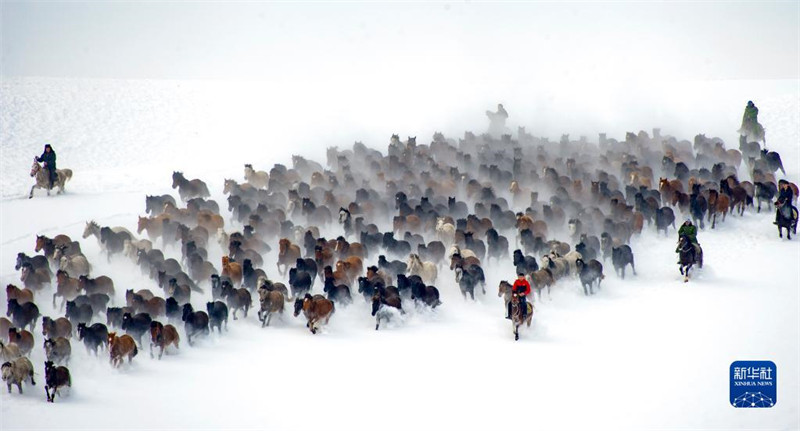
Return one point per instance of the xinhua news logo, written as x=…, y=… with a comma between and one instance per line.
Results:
x=754, y=384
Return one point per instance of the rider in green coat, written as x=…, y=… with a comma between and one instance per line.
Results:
x=690, y=231
x=750, y=124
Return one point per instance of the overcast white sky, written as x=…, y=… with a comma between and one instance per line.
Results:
x=339, y=71
x=402, y=42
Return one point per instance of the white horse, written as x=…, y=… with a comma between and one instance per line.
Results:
x=446, y=232
x=43, y=180
x=558, y=266
x=426, y=270
x=257, y=179
x=572, y=260
x=75, y=265
x=464, y=252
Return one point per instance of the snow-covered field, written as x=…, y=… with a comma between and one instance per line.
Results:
x=647, y=352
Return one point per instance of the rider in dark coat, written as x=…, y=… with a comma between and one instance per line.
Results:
x=48, y=157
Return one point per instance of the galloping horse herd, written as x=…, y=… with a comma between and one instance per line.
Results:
x=395, y=224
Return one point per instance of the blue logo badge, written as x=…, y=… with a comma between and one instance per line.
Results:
x=754, y=384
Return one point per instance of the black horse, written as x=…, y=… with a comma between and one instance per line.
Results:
x=787, y=219
x=687, y=256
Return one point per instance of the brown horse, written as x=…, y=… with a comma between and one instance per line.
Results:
x=667, y=187
x=144, y=294
x=100, y=284
x=681, y=200
x=232, y=270
x=119, y=347
x=540, y=279
x=504, y=290
x=54, y=328
x=516, y=315
x=21, y=295
x=717, y=203
x=524, y=222
x=162, y=336
x=288, y=254
x=48, y=245
x=316, y=309
x=352, y=266
x=67, y=288
x=22, y=338
x=271, y=302
x=153, y=225
x=210, y=221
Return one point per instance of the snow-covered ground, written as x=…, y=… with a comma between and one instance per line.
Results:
x=647, y=352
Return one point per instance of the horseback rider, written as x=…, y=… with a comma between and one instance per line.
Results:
x=497, y=120
x=522, y=289
x=689, y=230
x=750, y=124
x=785, y=197
x=48, y=157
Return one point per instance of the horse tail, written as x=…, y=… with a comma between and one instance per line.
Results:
x=67, y=174
x=135, y=351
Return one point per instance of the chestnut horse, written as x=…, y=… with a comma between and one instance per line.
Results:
x=162, y=336
x=119, y=347
x=316, y=308
x=288, y=254
x=232, y=270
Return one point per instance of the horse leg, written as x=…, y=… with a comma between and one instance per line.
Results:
x=31, y=195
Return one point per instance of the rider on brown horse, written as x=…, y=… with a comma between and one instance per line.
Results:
x=522, y=289
x=48, y=157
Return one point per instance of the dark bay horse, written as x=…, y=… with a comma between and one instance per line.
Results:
x=787, y=219
x=686, y=256
x=516, y=315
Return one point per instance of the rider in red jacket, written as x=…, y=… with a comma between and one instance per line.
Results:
x=522, y=289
